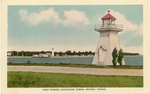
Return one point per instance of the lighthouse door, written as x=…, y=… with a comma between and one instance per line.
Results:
x=102, y=54
x=101, y=60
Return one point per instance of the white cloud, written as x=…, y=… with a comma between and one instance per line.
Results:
x=140, y=30
x=75, y=17
x=23, y=14
x=47, y=47
x=43, y=16
x=133, y=49
x=72, y=17
x=128, y=25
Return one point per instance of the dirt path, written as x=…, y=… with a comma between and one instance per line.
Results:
x=94, y=71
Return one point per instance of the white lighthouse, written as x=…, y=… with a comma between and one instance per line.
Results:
x=108, y=40
x=52, y=51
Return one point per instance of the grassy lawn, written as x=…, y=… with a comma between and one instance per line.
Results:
x=37, y=79
x=76, y=65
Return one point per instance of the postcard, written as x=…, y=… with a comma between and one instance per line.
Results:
x=93, y=47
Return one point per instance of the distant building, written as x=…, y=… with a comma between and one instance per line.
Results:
x=42, y=55
x=35, y=56
x=9, y=53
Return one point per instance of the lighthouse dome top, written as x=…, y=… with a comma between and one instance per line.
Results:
x=108, y=16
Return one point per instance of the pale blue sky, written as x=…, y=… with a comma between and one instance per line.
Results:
x=46, y=27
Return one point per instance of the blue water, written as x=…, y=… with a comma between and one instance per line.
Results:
x=129, y=60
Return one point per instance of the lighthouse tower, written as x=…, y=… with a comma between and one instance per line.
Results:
x=108, y=40
x=52, y=51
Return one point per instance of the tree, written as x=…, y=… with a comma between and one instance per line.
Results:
x=79, y=53
x=43, y=52
x=114, y=55
x=68, y=52
x=60, y=53
x=120, y=57
x=14, y=53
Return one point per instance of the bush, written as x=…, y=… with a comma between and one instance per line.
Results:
x=120, y=57
x=114, y=55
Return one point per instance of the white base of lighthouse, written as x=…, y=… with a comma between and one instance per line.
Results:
x=103, y=54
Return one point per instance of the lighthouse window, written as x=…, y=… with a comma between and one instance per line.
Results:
x=113, y=22
x=107, y=22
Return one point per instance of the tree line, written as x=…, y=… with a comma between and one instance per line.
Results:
x=57, y=53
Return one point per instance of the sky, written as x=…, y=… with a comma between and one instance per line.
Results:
x=36, y=28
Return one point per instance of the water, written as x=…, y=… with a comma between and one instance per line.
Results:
x=134, y=60
x=129, y=60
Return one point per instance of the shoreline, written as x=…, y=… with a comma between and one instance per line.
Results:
x=48, y=57
x=60, y=56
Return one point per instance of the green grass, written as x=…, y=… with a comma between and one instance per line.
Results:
x=76, y=65
x=36, y=79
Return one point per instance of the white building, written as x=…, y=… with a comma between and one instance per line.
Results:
x=9, y=53
x=42, y=55
x=52, y=51
x=108, y=40
x=35, y=55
